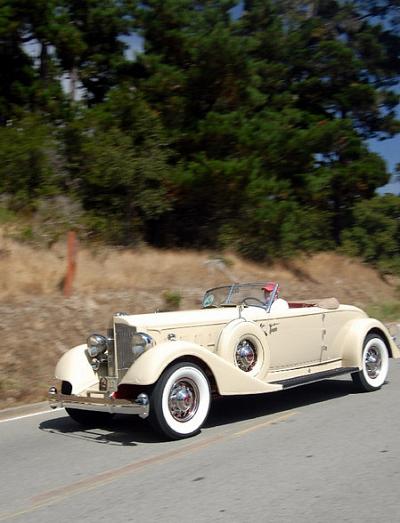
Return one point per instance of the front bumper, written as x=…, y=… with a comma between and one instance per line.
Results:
x=104, y=403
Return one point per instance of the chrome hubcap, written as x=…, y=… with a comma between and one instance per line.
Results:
x=183, y=400
x=373, y=362
x=246, y=356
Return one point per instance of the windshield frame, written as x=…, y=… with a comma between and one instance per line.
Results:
x=223, y=296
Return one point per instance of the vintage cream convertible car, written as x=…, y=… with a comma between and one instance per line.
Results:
x=245, y=340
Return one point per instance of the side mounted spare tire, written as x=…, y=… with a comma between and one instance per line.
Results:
x=243, y=343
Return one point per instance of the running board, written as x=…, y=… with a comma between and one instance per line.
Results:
x=311, y=378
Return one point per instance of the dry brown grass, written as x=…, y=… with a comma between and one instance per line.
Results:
x=26, y=271
x=38, y=324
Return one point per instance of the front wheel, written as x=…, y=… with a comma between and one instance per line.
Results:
x=180, y=401
x=375, y=364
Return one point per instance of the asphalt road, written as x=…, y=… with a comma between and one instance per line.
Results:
x=319, y=453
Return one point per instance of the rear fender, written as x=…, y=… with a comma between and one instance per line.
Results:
x=353, y=335
x=229, y=379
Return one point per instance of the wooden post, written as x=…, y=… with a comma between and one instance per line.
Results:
x=72, y=247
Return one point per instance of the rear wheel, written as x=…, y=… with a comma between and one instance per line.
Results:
x=180, y=401
x=89, y=418
x=375, y=364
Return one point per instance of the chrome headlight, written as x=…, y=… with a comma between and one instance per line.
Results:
x=140, y=343
x=96, y=344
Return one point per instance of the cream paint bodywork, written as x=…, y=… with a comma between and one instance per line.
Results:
x=295, y=339
x=298, y=342
x=74, y=366
x=229, y=379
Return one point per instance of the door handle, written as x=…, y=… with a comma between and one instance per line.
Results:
x=273, y=327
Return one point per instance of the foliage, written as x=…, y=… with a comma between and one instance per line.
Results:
x=172, y=300
x=117, y=159
x=54, y=217
x=375, y=234
x=248, y=131
x=389, y=311
x=26, y=171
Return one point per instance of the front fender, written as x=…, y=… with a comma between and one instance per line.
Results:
x=74, y=366
x=353, y=336
x=230, y=380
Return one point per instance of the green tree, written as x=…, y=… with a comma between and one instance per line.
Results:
x=88, y=44
x=194, y=72
x=39, y=26
x=191, y=61
x=117, y=157
x=335, y=67
x=344, y=60
x=375, y=234
x=16, y=67
x=247, y=131
x=28, y=172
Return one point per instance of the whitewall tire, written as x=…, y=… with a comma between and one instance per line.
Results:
x=180, y=401
x=375, y=364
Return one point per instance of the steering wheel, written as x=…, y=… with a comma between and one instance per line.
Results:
x=258, y=304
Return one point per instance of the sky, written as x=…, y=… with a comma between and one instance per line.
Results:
x=390, y=152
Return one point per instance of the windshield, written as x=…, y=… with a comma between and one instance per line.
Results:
x=237, y=294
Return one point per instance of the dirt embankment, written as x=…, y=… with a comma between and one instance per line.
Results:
x=37, y=324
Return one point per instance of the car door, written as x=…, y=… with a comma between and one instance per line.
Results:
x=334, y=329
x=295, y=338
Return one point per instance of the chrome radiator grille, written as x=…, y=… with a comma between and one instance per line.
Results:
x=123, y=347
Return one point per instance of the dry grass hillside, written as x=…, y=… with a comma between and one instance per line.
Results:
x=37, y=324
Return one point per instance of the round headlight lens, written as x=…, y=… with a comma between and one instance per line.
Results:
x=140, y=343
x=96, y=344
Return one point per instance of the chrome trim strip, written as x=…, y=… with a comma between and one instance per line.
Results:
x=140, y=406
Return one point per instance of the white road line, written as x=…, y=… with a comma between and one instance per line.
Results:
x=28, y=415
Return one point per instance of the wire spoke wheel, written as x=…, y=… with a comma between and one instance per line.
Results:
x=183, y=400
x=180, y=401
x=375, y=364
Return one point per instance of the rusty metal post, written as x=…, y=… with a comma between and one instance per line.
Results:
x=72, y=247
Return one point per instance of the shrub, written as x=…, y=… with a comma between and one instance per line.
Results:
x=375, y=234
x=172, y=300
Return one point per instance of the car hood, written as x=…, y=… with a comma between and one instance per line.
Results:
x=166, y=320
